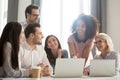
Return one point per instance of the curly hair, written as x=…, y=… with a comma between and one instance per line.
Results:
x=92, y=26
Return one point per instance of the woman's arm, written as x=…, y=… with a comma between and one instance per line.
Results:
x=88, y=48
x=59, y=53
x=10, y=72
x=71, y=49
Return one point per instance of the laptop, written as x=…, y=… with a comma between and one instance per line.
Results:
x=69, y=68
x=102, y=68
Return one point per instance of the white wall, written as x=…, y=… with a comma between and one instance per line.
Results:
x=113, y=22
x=3, y=14
x=21, y=9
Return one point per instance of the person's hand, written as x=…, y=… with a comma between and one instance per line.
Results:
x=86, y=71
x=75, y=57
x=46, y=71
x=42, y=65
x=59, y=53
x=30, y=72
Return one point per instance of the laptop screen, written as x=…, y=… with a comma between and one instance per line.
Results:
x=102, y=68
x=69, y=67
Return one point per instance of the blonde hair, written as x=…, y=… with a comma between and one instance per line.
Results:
x=108, y=40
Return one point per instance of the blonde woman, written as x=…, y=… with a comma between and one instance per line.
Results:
x=104, y=44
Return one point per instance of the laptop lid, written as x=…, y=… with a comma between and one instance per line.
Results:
x=102, y=68
x=69, y=67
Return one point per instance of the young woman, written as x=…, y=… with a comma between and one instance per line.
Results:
x=80, y=43
x=9, y=51
x=54, y=50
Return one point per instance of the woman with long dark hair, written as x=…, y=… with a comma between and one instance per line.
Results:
x=54, y=50
x=9, y=50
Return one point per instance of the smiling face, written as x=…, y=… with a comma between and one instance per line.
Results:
x=81, y=28
x=38, y=36
x=101, y=44
x=34, y=16
x=52, y=43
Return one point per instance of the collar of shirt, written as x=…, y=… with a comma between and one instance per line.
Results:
x=27, y=46
x=24, y=24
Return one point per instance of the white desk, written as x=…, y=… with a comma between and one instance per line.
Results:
x=50, y=78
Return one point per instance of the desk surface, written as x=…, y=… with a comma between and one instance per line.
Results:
x=82, y=78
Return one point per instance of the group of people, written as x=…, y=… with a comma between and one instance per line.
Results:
x=21, y=49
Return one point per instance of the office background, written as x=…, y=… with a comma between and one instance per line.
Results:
x=106, y=10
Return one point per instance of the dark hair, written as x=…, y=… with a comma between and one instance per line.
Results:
x=31, y=28
x=11, y=33
x=50, y=56
x=29, y=9
x=91, y=26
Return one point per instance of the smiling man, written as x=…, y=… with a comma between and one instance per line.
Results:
x=32, y=13
x=33, y=53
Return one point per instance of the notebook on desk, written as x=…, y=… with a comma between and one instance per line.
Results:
x=69, y=68
x=102, y=68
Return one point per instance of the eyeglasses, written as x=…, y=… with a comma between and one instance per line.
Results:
x=35, y=14
x=99, y=41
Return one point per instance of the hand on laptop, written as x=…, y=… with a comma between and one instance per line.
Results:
x=86, y=71
x=75, y=57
